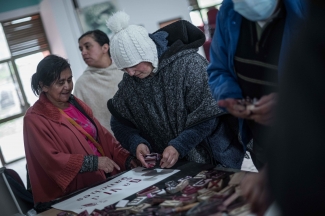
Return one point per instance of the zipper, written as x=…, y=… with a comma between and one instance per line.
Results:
x=257, y=47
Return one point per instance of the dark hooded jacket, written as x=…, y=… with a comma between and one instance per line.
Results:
x=168, y=107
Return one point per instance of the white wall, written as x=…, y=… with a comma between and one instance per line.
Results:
x=52, y=29
x=63, y=30
x=148, y=12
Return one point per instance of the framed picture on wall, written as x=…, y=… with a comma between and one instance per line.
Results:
x=94, y=16
x=167, y=22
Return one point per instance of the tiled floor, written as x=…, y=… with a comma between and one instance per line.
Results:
x=20, y=167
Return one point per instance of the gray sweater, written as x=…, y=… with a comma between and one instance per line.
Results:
x=175, y=106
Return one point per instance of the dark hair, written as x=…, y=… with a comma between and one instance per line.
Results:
x=99, y=36
x=48, y=71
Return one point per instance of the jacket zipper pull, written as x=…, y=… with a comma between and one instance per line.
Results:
x=257, y=47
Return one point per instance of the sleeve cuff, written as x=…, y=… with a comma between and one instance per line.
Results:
x=181, y=151
x=90, y=164
x=134, y=145
x=70, y=171
x=128, y=162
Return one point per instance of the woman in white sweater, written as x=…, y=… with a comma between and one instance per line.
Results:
x=99, y=81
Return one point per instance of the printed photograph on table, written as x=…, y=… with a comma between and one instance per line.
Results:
x=95, y=16
x=209, y=192
x=114, y=190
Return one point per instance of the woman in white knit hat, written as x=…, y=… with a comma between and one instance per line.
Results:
x=164, y=104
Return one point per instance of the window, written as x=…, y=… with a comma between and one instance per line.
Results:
x=199, y=14
x=23, y=44
x=4, y=49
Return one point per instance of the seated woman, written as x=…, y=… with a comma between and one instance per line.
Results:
x=66, y=147
x=164, y=104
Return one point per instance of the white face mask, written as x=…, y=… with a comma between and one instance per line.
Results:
x=255, y=10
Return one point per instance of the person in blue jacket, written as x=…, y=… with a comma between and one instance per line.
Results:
x=246, y=52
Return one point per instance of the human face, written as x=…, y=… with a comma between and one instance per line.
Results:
x=92, y=52
x=60, y=90
x=141, y=70
x=255, y=10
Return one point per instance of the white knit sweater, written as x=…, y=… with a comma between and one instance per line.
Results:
x=95, y=87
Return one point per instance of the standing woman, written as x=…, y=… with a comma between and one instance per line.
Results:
x=66, y=147
x=98, y=83
x=164, y=104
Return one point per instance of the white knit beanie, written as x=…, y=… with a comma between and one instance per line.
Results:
x=130, y=44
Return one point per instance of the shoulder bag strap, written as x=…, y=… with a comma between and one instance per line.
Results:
x=74, y=123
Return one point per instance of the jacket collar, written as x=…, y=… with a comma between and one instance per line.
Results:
x=45, y=108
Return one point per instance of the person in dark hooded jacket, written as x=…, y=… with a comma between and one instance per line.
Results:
x=164, y=104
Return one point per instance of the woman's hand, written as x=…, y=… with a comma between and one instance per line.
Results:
x=264, y=109
x=142, y=150
x=255, y=190
x=169, y=157
x=134, y=163
x=107, y=165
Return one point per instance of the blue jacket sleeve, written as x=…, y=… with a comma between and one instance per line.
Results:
x=222, y=77
x=191, y=137
x=128, y=137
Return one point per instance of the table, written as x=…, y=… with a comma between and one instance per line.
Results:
x=50, y=212
x=186, y=169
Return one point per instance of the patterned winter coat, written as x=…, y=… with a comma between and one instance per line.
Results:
x=175, y=100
